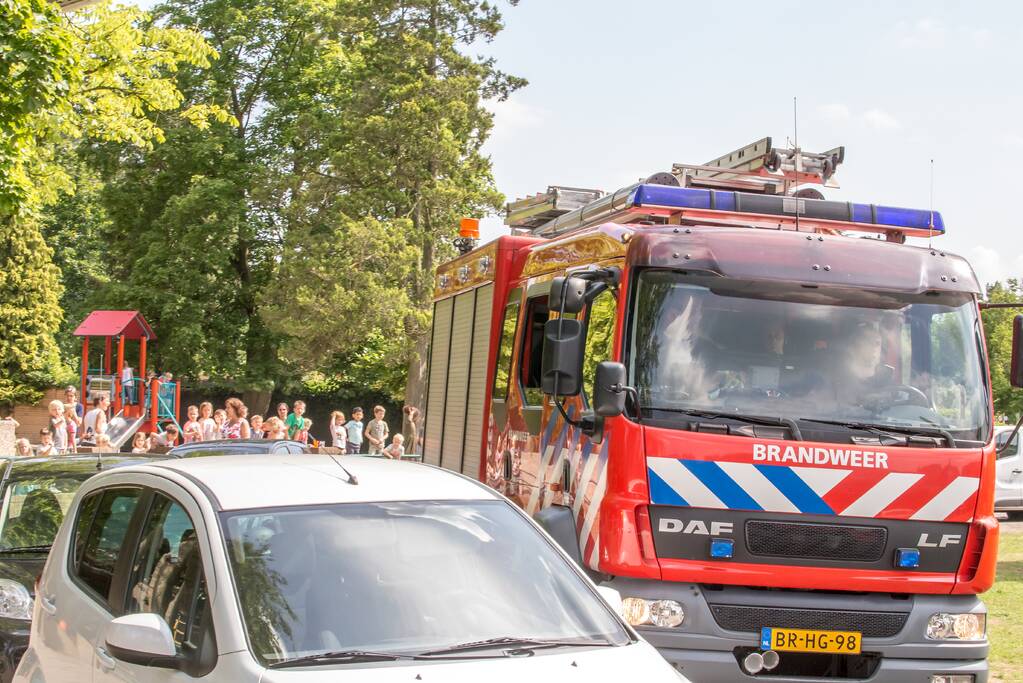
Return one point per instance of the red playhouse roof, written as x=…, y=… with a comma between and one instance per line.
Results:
x=130, y=324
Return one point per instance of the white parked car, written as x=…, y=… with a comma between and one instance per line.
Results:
x=1009, y=474
x=306, y=568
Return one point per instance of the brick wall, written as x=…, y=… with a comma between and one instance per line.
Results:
x=32, y=418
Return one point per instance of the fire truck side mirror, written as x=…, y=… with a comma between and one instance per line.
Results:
x=569, y=292
x=562, y=367
x=1016, y=369
x=609, y=389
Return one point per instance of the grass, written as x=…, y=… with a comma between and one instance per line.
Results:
x=1005, y=611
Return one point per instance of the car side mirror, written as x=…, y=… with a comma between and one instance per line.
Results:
x=143, y=639
x=1016, y=369
x=612, y=598
x=562, y=368
x=568, y=294
x=609, y=389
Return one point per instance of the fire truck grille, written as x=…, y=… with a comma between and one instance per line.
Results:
x=752, y=619
x=816, y=541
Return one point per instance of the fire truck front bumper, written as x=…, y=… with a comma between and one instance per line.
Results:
x=722, y=627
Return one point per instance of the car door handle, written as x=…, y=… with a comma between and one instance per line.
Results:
x=49, y=604
x=106, y=662
x=1017, y=471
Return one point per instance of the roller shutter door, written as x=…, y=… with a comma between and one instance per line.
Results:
x=474, y=427
x=439, y=347
x=453, y=438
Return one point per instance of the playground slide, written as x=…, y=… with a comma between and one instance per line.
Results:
x=120, y=430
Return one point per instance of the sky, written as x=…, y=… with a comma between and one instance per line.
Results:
x=620, y=90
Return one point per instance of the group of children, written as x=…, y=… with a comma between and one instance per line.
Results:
x=70, y=425
x=348, y=436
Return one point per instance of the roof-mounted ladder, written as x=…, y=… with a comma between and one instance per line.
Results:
x=757, y=168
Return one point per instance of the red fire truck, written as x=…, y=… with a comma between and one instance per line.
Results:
x=761, y=416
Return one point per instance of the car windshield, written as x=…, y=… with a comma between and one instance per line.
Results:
x=794, y=352
x=35, y=500
x=404, y=577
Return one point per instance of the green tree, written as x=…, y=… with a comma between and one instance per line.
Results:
x=998, y=335
x=101, y=75
x=309, y=232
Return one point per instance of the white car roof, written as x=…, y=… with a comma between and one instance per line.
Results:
x=254, y=481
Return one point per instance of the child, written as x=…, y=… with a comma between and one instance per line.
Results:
x=397, y=448
x=219, y=418
x=103, y=444
x=256, y=426
x=46, y=447
x=354, y=427
x=71, y=420
x=210, y=430
x=192, y=427
x=295, y=421
x=377, y=432
x=23, y=448
x=338, y=433
x=139, y=444
x=274, y=429
x=302, y=435
x=58, y=426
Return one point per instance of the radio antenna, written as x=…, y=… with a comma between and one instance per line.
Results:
x=795, y=144
x=352, y=479
x=930, y=210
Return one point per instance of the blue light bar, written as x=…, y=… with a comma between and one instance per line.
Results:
x=907, y=558
x=884, y=217
x=722, y=548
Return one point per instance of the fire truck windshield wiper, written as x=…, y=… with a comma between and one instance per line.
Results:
x=894, y=431
x=786, y=422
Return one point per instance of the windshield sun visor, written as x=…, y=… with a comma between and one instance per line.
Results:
x=804, y=258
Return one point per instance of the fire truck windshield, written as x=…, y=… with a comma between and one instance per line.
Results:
x=796, y=352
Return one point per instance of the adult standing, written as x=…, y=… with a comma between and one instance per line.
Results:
x=282, y=412
x=413, y=417
x=95, y=421
x=235, y=426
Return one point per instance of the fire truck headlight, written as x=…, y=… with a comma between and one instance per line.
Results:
x=944, y=626
x=662, y=613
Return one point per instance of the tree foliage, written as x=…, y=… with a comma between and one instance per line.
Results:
x=307, y=233
x=102, y=74
x=998, y=335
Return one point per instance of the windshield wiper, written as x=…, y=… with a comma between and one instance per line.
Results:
x=346, y=656
x=893, y=431
x=519, y=643
x=27, y=549
x=788, y=423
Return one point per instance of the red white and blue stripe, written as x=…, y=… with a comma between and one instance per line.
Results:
x=808, y=490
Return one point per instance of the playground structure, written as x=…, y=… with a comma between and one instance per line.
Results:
x=135, y=404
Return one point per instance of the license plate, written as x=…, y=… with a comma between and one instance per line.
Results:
x=801, y=640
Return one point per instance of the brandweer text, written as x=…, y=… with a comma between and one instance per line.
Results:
x=843, y=457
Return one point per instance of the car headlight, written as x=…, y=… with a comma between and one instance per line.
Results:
x=663, y=613
x=944, y=626
x=15, y=601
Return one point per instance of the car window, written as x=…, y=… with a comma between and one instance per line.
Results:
x=102, y=524
x=1013, y=448
x=600, y=330
x=167, y=577
x=504, y=353
x=34, y=506
x=531, y=352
